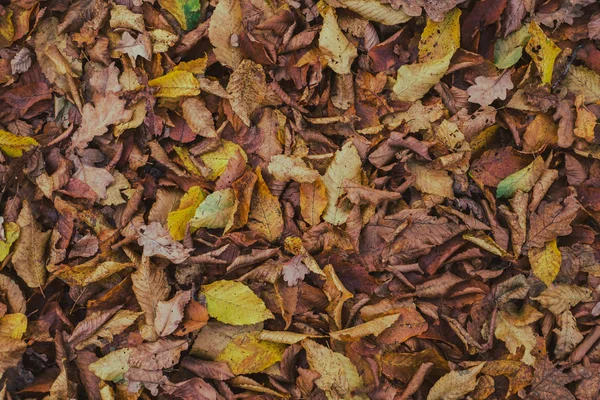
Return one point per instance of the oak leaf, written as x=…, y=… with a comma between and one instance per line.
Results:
x=487, y=90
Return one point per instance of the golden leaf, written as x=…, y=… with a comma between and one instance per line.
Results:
x=28, y=258
x=246, y=354
x=176, y=84
x=545, y=261
x=13, y=325
x=14, y=145
x=440, y=38
x=543, y=51
x=177, y=220
x=11, y=233
x=217, y=160
x=415, y=80
x=234, y=303
x=247, y=88
x=265, y=215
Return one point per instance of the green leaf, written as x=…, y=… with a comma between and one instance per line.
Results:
x=508, y=51
x=186, y=12
x=521, y=180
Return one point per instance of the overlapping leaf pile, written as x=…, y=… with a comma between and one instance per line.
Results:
x=343, y=199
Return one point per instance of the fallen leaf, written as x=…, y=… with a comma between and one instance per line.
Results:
x=176, y=84
x=561, y=297
x=545, y=262
x=157, y=241
x=265, y=215
x=336, y=48
x=543, y=51
x=455, y=384
x=169, y=313
x=522, y=180
x=247, y=89
x=225, y=300
x=224, y=30
x=246, y=354
x=487, y=90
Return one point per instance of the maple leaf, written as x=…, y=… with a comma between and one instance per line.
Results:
x=141, y=46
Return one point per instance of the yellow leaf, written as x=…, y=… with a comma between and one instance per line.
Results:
x=91, y=271
x=123, y=17
x=339, y=377
x=177, y=220
x=184, y=156
x=265, y=215
x=285, y=337
x=216, y=211
x=11, y=233
x=234, y=303
x=545, y=262
x=584, y=81
x=13, y=325
x=176, y=84
x=246, y=354
x=455, y=384
x=336, y=293
x=375, y=11
x=440, y=38
x=247, y=88
x=14, y=145
x=224, y=30
x=586, y=121
x=561, y=297
x=543, y=51
x=196, y=67
x=313, y=201
x=7, y=30
x=29, y=256
x=336, y=48
x=186, y=12
x=217, y=160
x=449, y=134
x=373, y=327
x=415, y=80
x=417, y=117
x=112, y=366
x=346, y=164
x=515, y=336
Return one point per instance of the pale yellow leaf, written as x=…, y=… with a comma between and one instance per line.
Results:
x=415, y=80
x=336, y=48
x=455, y=384
x=285, y=168
x=561, y=297
x=216, y=211
x=373, y=327
x=234, y=303
x=112, y=366
x=584, y=81
x=515, y=336
x=374, y=10
x=346, y=164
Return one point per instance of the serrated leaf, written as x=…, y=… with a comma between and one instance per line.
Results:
x=225, y=25
x=112, y=366
x=545, y=262
x=246, y=354
x=413, y=81
x=543, y=51
x=376, y=11
x=440, y=38
x=339, y=377
x=522, y=180
x=561, y=297
x=14, y=145
x=568, y=336
x=508, y=51
x=515, y=336
x=150, y=286
x=234, y=303
x=336, y=48
x=581, y=80
x=176, y=84
x=346, y=164
x=247, y=89
x=216, y=211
